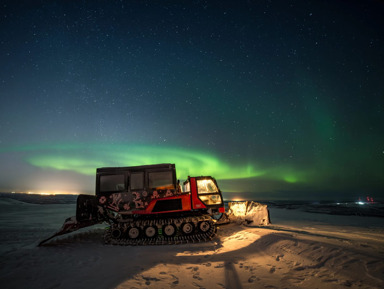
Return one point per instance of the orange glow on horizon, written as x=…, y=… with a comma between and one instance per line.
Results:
x=49, y=193
x=237, y=200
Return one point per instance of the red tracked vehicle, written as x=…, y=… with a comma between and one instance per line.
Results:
x=146, y=205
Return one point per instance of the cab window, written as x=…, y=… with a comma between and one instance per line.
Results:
x=137, y=181
x=112, y=183
x=208, y=192
x=206, y=187
x=161, y=180
x=211, y=199
x=187, y=187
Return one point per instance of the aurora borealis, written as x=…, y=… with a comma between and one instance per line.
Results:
x=275, y=99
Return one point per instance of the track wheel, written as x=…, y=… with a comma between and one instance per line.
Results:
x=187, y=228
x=169, y=230
x=204, y=226
x=133, y=232
x=116, y=233
x=150, y=231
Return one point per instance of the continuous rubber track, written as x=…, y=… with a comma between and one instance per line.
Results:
x=199, y=229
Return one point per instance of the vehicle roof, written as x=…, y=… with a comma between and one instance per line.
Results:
x=136, y=168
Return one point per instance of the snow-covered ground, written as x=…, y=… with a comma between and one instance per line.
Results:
x=299, y=250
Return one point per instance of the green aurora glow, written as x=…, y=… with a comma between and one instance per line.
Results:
x=267, y=97
x=85, y=158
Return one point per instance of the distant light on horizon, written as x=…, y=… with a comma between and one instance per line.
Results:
x=47, y=193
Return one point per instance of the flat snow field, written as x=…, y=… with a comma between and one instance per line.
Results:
x=299, y=250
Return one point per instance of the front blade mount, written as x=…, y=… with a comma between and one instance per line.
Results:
x=70, y=225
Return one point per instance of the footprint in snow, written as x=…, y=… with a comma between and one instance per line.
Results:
x=252, y=279
x=279, y=256
x=197, y=277
x=175, y=281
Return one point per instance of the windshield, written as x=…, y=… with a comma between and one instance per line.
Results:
x=206, y=186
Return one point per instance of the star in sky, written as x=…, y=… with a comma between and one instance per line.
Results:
x=278, y=99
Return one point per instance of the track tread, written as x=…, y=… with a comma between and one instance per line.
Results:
x=178, y=238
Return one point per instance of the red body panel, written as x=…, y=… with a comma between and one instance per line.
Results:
x=185, y=201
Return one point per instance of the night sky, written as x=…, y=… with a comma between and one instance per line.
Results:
x=275, y=99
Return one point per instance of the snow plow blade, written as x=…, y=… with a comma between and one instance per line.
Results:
x=86, y=215
x=70, y=225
